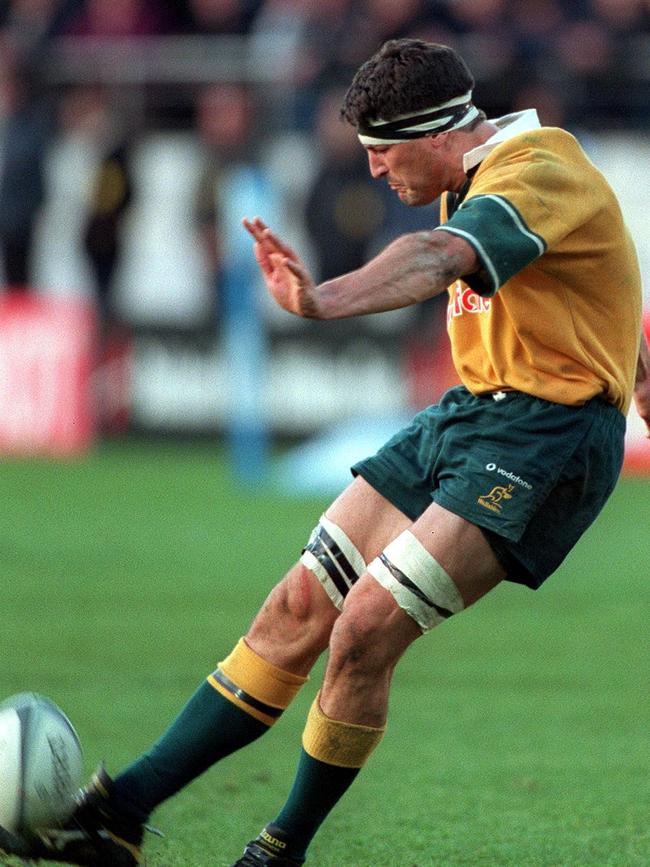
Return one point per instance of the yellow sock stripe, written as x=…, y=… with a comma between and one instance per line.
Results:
x=345, y=745
x=255, y=685
x=228, y=689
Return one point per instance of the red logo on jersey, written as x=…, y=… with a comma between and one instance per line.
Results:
x=465, y=300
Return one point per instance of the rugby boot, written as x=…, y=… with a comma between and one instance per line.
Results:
x=96, y=835
x=268, y=850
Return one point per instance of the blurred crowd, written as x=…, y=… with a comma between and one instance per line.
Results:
x=587, y=59
x=584, y=64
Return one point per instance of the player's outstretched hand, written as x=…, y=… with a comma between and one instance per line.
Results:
x=642, y=401
x=285, y=275
x=642, y=385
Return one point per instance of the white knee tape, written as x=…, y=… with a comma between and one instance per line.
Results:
x=417, y=581
x=334, y=560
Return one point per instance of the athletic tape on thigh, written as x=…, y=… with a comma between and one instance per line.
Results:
x=334, y=559
x=417, y=581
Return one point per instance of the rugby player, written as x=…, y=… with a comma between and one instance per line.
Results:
x=496, y=482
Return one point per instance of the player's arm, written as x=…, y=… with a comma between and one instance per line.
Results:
x=411, y=269
x=642, y=383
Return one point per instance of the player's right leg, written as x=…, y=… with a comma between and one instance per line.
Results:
x=251, y=688
x=237, y=703
x=241, y=699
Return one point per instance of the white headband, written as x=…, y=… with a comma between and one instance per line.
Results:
x=453, y=114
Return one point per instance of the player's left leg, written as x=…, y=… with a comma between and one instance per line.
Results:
x=435, y=568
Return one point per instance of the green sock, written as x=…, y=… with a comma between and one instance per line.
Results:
x=207, y=729
x=317, y=788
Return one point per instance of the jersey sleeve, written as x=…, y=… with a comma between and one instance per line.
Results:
x=527, y=195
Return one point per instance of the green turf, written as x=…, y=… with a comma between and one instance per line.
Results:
x=518, y=732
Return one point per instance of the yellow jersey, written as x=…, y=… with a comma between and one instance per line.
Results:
x=555, y=308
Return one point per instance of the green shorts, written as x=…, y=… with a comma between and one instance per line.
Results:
x=532, y=475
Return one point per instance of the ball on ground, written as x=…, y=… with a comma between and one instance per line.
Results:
x=40, y=764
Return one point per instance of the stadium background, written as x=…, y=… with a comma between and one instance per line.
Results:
x=137, y=134
x=208, y=429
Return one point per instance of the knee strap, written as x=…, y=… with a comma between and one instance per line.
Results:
x=334, y=559
x=416, y=580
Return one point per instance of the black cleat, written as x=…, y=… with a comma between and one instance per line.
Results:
x=268, y=850
x=96, y=835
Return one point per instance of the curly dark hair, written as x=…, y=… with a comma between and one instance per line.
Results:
x=405, y=75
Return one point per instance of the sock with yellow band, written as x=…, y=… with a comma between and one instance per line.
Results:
x=333, y=754
x=236, y=705
x=254, y=685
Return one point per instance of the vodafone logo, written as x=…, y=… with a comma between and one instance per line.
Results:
x=507, y=474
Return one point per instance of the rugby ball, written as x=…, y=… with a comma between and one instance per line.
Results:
x=40, y=764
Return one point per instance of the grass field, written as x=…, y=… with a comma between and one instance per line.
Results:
x=519, y=732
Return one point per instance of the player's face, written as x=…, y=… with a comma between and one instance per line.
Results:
x=416, y=171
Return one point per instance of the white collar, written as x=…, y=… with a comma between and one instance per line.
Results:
x=508, y=126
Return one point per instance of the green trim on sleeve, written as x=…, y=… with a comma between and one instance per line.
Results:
x=500, y=237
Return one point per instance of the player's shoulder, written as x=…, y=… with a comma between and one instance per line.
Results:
x=542, y=141
x=546, y=156
x=545, y=163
